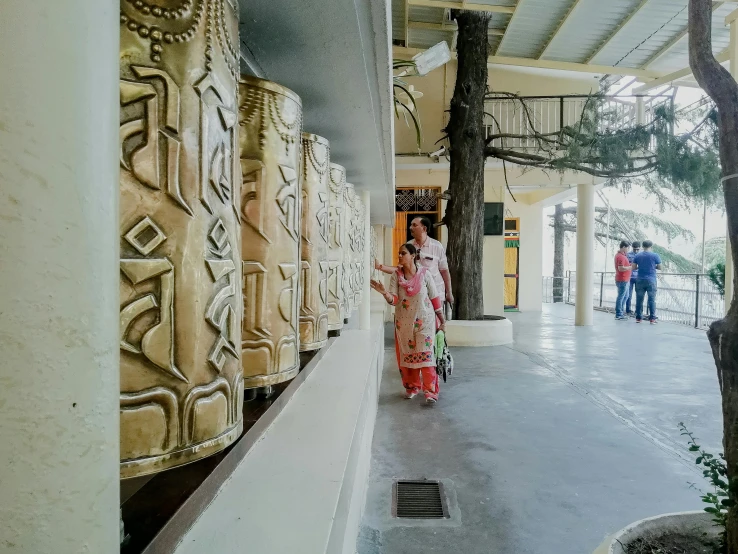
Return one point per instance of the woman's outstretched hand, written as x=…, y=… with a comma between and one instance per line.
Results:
x=378, y=286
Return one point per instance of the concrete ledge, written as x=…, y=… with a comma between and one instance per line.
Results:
x=696, y=523
x=302, y=487
x=479, y=333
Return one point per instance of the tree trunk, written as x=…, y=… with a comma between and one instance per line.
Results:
x=717, y=82
x=558, y=273
x=465, y=210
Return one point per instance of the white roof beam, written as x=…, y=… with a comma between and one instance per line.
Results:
x=558, y=28
x=616, y=30
x=679, y=75
x=550, y=64
x=688, y=84
x=446, y=27
x=572, y=66
x=462, y=6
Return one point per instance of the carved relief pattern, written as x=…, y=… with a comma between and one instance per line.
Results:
x=375, y=273
x=314, y=251
x=180, y=314
x=336, y=234
x=350, y=252
x=270, y=122
x=359, y=244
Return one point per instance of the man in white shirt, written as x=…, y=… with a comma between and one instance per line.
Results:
x=432, y=255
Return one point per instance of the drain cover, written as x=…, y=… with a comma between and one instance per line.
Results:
x=419, y=500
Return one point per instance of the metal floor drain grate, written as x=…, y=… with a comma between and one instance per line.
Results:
x=419, y=500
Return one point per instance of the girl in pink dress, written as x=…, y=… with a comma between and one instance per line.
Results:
x=418, y=314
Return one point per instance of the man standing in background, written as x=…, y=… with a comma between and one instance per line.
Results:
x=622, y=279
x=431, y=254
x=633, y=276
x=646, y=263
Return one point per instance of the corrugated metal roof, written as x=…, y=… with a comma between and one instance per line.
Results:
x=587, y=31
x=499, y=20
x=426, y=15
x=398, y=19
x=646, y=32
x=677, y=56
x=531, y=25
x=425, y=38
x=588, y=25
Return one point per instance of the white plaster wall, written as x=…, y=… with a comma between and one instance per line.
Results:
x=308, y=473
x=59, y=374
x=531, y=245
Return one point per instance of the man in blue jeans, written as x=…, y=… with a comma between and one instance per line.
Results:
x=646, y=263
x=633, y=276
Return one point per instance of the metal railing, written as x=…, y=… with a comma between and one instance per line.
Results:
x=684, y=298
x=555, y=289
x=529, y=115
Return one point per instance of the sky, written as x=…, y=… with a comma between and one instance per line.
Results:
x=637, y=201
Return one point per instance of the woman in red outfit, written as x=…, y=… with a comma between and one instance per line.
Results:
x=418, y=313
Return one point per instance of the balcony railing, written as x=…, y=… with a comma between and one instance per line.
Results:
x=527, y=116
x=685, y=298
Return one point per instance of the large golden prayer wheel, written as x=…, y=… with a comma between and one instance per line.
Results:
x=180, y=310
x=349, y=254
x=270, y=119
x=314, y=251
x=336, y=244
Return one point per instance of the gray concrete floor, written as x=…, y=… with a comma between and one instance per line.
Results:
x=550, y=444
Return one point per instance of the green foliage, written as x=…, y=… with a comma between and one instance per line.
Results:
x=716, y=274
x=651, y=155
x=716, y=474
x=714, y=251
x=639, y=223
x=630, y=225
x=675, y=262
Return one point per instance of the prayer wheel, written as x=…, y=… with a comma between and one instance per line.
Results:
x=181, y=380
x=336, y=243
x=314, y=251
x=270, y=118
x=359, y=239
x=349, y=254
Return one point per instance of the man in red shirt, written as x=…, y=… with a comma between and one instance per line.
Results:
x=622, y=279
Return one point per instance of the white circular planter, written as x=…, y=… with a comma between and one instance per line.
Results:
x=690, y=523
x=488, y=332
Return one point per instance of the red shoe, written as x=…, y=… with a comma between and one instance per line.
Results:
x=430, y=400
x=638, y=320
x=653, y=321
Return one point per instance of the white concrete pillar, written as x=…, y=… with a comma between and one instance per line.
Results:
x=365, y=309
x=585, y=254
x=59, y=370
